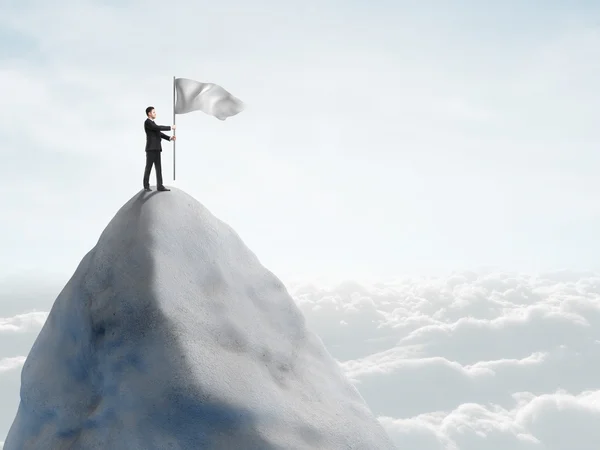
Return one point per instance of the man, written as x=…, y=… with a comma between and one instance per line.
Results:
x=154, y=148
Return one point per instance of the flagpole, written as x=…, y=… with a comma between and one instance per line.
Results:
x=174, y=141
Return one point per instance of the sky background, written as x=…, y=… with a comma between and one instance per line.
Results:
x=380, y=140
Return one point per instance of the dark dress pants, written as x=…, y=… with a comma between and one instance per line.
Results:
x=153, y=157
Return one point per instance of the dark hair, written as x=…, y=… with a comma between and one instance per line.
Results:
x=148, y=109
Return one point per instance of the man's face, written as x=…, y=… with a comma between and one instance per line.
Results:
x=152, y=114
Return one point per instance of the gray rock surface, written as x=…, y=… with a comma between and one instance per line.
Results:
x=172, y=335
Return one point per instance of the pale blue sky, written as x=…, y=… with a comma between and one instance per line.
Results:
x=379, y=138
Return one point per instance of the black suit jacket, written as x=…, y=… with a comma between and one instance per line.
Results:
x=154, y=135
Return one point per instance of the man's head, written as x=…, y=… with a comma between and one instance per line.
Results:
x=150, y=112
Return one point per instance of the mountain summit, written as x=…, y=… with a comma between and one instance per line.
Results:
x=172, y=335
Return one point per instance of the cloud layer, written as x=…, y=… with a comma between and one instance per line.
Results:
x=470, y=361
x=466, y=362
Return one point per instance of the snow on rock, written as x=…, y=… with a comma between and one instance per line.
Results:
x=172, y=335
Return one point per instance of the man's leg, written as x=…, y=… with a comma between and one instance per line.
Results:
x=158, y=166
x=148, y=169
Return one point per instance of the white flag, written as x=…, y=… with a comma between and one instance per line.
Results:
x=209, y=98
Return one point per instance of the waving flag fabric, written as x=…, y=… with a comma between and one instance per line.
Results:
x=209, y=98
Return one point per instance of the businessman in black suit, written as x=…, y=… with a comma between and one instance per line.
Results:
x=154, y=134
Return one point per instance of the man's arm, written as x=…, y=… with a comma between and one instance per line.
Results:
x=164, y=136
x=150, y=124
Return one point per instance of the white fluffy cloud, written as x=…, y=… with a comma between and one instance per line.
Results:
x=23, y=322
x=7, y=364
x=467, y=362
x=470, y=361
